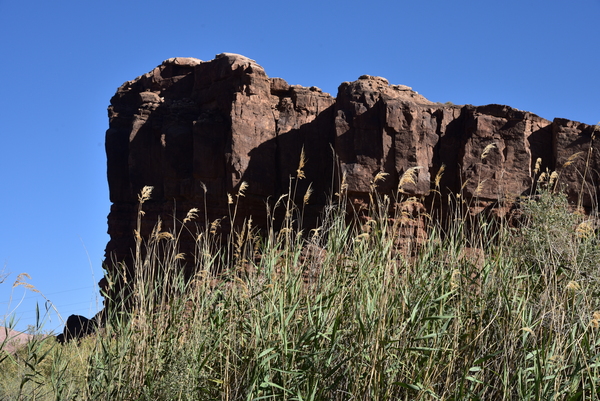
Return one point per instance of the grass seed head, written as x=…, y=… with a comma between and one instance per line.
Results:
x=164, y=235
x=572, y=158
x=243, y=188
x=455, y=279
x=307, y=195
x=573, y=286
x=301, y=164
x=343, y=186
x=438, y=176
x=20, y=282
x=488, y=149
x=214, y=226
x=538, y=165
x=21, y=276
x=362, y=237
x=595, y=322
x=191, y=215
x=380, y=176
x=145, y=194
x=585, y=230
x=528, y=330
x=480, y=187
x=409, y=177
x=553, y=178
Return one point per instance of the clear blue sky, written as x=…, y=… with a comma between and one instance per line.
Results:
x=63, y=60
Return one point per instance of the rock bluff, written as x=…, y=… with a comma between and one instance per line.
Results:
x=195, y=130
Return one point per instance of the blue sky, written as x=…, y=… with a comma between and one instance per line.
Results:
x=62, y=61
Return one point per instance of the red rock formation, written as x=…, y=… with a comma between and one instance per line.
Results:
x=196, y=130
x=575, y=146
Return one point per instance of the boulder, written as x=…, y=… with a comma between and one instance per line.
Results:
x=76, y=328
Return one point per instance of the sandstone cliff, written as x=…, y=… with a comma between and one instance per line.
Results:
x=196, y=130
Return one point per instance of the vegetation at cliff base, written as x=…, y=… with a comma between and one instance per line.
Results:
x=471, y=309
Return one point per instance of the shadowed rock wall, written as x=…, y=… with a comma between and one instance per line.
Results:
x=196, y=130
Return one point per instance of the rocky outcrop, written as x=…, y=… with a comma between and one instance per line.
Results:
x=77, y=327
x=196, y=131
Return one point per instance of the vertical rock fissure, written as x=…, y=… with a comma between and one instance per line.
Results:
x=277, y=162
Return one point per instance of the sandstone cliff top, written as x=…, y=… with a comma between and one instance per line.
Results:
x=365, y=83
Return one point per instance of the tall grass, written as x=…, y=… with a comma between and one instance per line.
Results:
x=476, y=312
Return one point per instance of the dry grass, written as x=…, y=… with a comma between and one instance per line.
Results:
x=339, y=314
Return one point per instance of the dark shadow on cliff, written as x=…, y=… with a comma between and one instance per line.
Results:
x=272, y=171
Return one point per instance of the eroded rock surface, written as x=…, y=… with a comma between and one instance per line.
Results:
x=195, y=130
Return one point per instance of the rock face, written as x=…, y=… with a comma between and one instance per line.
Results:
x=196, y=131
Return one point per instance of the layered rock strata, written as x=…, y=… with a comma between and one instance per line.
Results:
x=197, y=130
